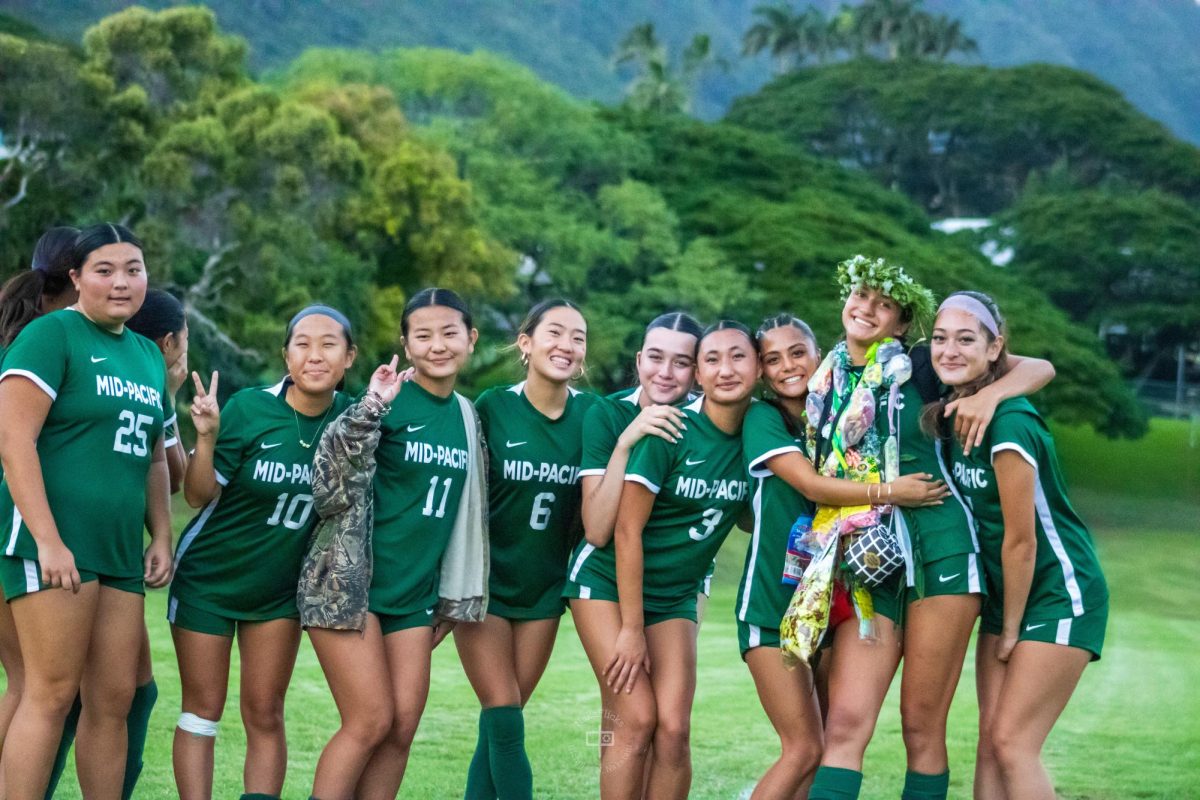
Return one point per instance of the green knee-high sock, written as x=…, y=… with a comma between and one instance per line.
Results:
x=511, y=773
x=479, y=774
x=920, y=786
x=138, y=725
x=64, y=747
x=835, y=783
x=257, y=796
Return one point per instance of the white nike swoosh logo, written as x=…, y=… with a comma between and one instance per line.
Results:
x=1035, y=627
x=98, y=360
x=429, y=611
x=414, y=428
x=944, y=578
x=691, y=463
x=514, y=444
x=266, y=446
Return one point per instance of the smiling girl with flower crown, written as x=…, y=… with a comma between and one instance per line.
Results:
x=872, y=563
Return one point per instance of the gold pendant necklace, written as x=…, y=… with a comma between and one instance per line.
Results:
x=320, y=426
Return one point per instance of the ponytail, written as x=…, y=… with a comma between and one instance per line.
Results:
x=49, y=276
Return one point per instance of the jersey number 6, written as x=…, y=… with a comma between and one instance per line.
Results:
x=539, y=518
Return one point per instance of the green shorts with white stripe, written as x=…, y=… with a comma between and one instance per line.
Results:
x=1085, y=631
x=960, y=574
x=752, y=636
x=22, y=576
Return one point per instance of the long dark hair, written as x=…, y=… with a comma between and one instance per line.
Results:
x=933, y=415
x=49, y=276
x=769, y=324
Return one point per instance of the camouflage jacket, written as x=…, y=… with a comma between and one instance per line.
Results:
x=336, y=576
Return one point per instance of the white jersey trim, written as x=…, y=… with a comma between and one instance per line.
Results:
x=755, y=535
x=33, y=578
x=758, y=467
x=587, y=473
x=587, y=550
x=1016, y=448
x=974, y=585
x=41, y=384
x=755, y=638
x=634, y=398
x=949, y=481
x=11, y=547
x=696, y=405
x=1046, y=517
x=187, y=540
x=221, y=479
x=644, y=482
x=1063, y=634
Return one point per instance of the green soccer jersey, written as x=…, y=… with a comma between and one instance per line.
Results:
x=1067, y=579
x=936, y=531
x=763, y=597
x=534, y=499
x=701, y=488
x=240, y=557
x=108, y=394
x=604, y=423
x=421, y=470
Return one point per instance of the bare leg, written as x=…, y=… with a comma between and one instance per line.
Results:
x=533, y=643
x=936, y=634
x=1040, y=679
x=630, y=717
x=204, y=677
x=859, y=679
x=268, y=652
x=54, y=628
x=989, y=678
x=14, y=673
x=672, y=647
x=106, y=692
x=408, y=657
x=790, y=701
x=355, y=667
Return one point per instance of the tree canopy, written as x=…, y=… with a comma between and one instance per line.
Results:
x=964, y=140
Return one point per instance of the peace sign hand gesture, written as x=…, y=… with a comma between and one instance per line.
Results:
x=206, y=415
x=386, y=382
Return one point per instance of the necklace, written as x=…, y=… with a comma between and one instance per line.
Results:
x=320, y=426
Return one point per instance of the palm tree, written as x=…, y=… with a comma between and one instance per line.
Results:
x=658, y=85
x=881, y=23
x=790, y=37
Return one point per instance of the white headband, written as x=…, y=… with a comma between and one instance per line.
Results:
x=964, y=302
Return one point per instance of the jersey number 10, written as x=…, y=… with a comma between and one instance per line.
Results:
x=297, y=512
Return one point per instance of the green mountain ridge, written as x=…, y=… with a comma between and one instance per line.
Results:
x=570, y=42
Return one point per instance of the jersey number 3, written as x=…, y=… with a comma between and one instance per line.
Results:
x=709, y=521
x=135, y=426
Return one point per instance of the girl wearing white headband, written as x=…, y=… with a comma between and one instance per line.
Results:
x=864, y=410
x=1047, y=601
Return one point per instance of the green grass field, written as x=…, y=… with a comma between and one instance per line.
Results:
x=1131, y=731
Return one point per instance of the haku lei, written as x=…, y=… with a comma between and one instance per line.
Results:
x=855, y=452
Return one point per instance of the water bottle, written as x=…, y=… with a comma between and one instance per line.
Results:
x=799, y=553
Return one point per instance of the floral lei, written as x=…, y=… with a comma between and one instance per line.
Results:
x=857, y=453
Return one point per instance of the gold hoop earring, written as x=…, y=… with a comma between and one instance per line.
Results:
x=525, y=360
x=582, y=372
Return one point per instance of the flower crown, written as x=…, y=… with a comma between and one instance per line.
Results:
x=891, y=280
